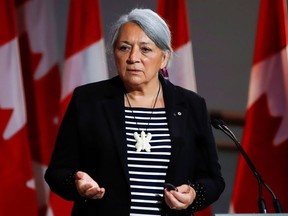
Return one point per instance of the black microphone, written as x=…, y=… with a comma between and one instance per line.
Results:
x=219, y=124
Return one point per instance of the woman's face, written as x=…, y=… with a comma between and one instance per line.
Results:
x=137, y=57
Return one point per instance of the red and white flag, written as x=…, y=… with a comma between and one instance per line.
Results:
x=40, y=59
x=17, y=184
x=265, y=137
x=85, y=57
x=181, y=70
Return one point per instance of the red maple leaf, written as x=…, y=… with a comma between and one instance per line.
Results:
x=270, y=160
x=16, y=170
x=42, y=102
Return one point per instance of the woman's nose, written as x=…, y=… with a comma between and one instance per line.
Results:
x=134, y=56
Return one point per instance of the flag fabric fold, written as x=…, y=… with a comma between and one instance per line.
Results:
x=181, y=69
x=265, y=136
x=85, y=57
x=41, y=74
x=17, y=182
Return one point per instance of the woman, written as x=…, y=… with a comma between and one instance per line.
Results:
x=123, y=138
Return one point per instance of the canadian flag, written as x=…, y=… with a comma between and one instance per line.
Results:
x=265, y=137
x=181, y=71
x=85, y=57
x=40, y=64
x=17, y=182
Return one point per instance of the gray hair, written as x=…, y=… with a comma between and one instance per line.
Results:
x=151, y=23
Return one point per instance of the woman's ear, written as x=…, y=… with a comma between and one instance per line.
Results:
x=166, y=57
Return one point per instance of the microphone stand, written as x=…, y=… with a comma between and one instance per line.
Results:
x=219, y=124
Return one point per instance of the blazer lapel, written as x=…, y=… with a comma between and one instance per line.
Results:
x=176, y=109
x=114, y=111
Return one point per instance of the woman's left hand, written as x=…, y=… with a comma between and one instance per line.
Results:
x=181, y=198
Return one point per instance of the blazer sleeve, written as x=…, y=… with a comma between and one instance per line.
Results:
x=209, y=183
x=64, y=161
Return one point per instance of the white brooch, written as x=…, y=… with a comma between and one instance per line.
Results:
x=142, y=142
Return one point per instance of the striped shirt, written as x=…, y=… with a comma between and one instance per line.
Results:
x=147, y=170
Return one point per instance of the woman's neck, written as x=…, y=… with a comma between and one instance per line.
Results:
x=148, y=99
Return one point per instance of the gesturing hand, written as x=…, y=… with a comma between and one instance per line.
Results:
x=180, y=199
x=87, y=187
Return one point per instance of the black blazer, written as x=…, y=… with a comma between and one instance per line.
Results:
x=92, y=139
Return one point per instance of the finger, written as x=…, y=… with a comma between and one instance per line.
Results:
x=185, y=198
x=96, y=193
x=183, y=188
x=83, y=188
x=86, y=187
x=79, y=175
x=82, y=178
x=180, y=200
x=170, y=199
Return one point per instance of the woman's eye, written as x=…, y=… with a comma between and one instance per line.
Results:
x=146, y=49
x=123, y=48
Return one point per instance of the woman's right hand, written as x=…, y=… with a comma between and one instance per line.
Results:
x=87, y=187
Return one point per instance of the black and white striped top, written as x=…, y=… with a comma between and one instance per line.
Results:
x=147, y=170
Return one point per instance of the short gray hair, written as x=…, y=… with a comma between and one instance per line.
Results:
x=151, y=23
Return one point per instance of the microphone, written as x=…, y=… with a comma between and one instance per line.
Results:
x=219, y=124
